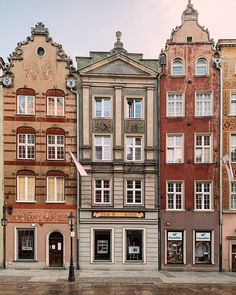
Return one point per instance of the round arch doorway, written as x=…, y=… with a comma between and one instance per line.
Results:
x=56, y=249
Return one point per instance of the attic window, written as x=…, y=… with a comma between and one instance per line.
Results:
x=189, y=39
x=40, y=51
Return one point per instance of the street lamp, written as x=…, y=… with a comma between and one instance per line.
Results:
x=71, y=219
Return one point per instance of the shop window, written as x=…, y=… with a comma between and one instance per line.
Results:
x=134, y=245
x=25, y=243
x=202, y=247
x=102, y=245
x=175, y=247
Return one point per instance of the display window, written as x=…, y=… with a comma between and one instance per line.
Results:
x=102, y=247
x=202, y=247
x=175, y=247
x=134, y=245
x=26, y=244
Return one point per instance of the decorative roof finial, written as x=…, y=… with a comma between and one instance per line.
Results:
x=118, y=46
x=190, y=13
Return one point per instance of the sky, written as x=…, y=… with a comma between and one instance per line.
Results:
x=90, y=25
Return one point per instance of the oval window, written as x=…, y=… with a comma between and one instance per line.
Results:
x=40, y=51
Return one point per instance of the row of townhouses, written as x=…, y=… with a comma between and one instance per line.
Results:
x=151, y=134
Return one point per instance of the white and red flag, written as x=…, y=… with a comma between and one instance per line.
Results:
x=79, y=167
x=228, y=167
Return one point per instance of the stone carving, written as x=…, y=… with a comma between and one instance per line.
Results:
x=102, y=125
x=46, y=72
x=134, y=126
x=229, y=124
x=118, y=46
x=134, y=169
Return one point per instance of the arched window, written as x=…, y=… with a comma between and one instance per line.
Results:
x=25, y=186
x=55, y=102
x=55, y=186
x=25, y=101
x=177, y=67
x=25, y=143
x=55, y=144
x=201, y=67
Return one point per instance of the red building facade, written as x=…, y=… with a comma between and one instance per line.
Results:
x=189, y=148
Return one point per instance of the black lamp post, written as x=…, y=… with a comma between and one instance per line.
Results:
x=4, y=225
x=71, y=219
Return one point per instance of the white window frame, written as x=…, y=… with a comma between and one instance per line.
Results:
x=175, y=148
x=135, y=99
x=173, y=66
x=55, y=108
x=26, y=97
x=16, y=242
x=200, y=99
x=232, y=194
x=56, y=145
x=232, y=147
x=184, y=243
x=102, y=191
x=203, y=147
x=102, y=98
x=134, y=147
x=232, y=102
x=201, y=65
x=212, y=233
x=134, y=190
x=174, y=182
x=55, y=189
x=26, y=199
x=175, y=101
x=26, y=145
x=103, y=147
x=203, y=194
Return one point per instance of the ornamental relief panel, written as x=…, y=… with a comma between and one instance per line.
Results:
x=226, y=106
x=229, y=124
x=35, y=72
x=134, y=126
x=102, y=125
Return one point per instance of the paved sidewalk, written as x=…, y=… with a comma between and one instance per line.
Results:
x=88, y=277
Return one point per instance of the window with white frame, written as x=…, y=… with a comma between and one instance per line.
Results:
x=25, y=188
x=203, y=244
x=55, y=146
x=55, y=189
x=26, y=146
x=102, y=107
x=203, y=104
x=134, y=108
x=175, y=198
x=134, y=191
x=174, y=148
x=102, y=148
x=102, y=191
x=203, y=148
x=134, y=240
x=177, y=67
x=233, y=104
x=203, y=195
x=175, y=247
x=201, y=67
x=233, y=147
x=102, y=244
x=25, y=105
x=55, y=106
x=175, y=105
x=134, y=148
x=25, y=244
x=233, y=196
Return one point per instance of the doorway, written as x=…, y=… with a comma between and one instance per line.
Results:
x=233, y=258
x=55, y=250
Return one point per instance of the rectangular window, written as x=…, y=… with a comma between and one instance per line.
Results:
x=174, y=149
x=25, y=243
x=26, y=146
x=55, y=147
x=175, y=195
x=233, y=196
x=102, y=245
x=134, y=148
x=134, y=192
x=102, y=191
x=202, y=247
x=203, y=195
x=134, y=245
x=55, y=106
x=55, y=189
x=134, y=108
x=25, y=188
x=233, y=104
x=233, y=147
x=175, y=105
x=175, y=247
x=103, y=107
x=102, y=148
x=203, y=104
x=26, y=105
x=203, y=148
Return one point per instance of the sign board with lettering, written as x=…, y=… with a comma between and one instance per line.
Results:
x=175, y=236
x=108, y=214
x=203, y=236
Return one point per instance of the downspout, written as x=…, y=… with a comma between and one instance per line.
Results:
x=158, y=173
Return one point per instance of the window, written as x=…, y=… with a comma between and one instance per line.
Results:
x=233, y=104
x=134, y=148
x=25, y=243
x=134, y=245
x=102, y=191
x=174, y=149
x=102, y=245
x=134, y=108
x=203, y=195
x=55, y=189
x=203, y=149
x=201, y=67
x=134, y=192
x=174, y=195
x=203, y=104
x=25, y=188
x=56, y=146
x=175, y=105
x=102, y=148
x=175, y=247
x=233, y=196
x=25, y=146
x=103, y=107
x=202, y=247
x=55, y=106
x=233, y=148
x=177, y=67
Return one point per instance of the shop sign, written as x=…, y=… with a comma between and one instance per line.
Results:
x=202, y=236
x=119, y=214
x=175, y=236
x=134, y=250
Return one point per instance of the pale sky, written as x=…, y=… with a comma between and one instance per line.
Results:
x=90, y=25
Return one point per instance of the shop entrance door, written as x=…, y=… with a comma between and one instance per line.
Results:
x=55, y=249
x=234, y=258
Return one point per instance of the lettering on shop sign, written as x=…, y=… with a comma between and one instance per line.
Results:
x=119, y=214
x=42, y=216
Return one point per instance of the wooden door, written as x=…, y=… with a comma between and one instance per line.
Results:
x=56, y=250
x=234, y=258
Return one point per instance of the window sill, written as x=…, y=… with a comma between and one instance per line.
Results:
x=25, y=201
x=175, y=117
x=55, y=202
x=177, y=76
x=134, y=262
x=201, y=76
x=25, y=260
x=102, y=261
x=175, y=210
x=203, y=210
x=204, y=117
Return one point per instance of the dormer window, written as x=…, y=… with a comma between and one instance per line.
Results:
x=201, y=67
x=177, y=67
